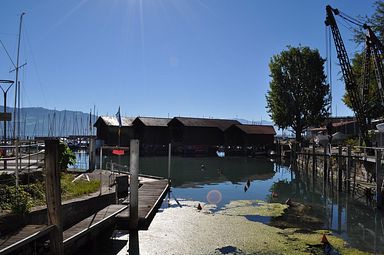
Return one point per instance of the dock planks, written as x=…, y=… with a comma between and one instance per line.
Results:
x=151, y=195
x=25, y=236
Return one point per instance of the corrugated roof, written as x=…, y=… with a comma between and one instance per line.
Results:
x=257, y=129
x=154, y=122
x=112, y=121
x=201, y=122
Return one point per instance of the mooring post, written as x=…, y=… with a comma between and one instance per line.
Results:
x=17, y=163
x=325, y=170
x=349, y=168
x=340, y=169
x=169, y=162
x=101, y=172
x=134, y=198
x=313, y=163
x=92, y=154
x=379, y=180
x=53, y=195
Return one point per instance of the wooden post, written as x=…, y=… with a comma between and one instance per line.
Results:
x=379, y=180
x=340, y=169
x=134, y=198
x=53, y=195
x=169, y=162
x=349, y=168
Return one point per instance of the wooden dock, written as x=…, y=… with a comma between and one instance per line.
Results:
x=23, y=238
x=151, y=195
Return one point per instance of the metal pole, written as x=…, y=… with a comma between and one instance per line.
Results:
x=101, y=158
x=169, y=162
x=17, y=163
x=134, y=198
x=379, y=180
x=17, y=74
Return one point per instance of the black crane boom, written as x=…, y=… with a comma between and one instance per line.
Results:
x=348, y=75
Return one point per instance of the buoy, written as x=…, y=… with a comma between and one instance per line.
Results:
x=288, y=202
x=324, y=239
x=199, y=207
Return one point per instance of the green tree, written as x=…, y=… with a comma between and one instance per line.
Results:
x=373, y=107
x=298, y=95
x=376, y=21
x=66, y=157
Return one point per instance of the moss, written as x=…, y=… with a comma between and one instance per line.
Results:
x=248, y=207
x=187, y=230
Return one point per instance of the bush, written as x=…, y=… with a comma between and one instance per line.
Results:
x=15, y=199
x=66, y=157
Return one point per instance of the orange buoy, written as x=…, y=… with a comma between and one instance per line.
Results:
x=199, y=207
x=324, y=239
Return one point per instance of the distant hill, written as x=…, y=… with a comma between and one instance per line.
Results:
x=38, y=121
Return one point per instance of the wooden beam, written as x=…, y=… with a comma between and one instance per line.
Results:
x=53, y=195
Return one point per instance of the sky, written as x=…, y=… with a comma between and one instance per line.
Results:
x=200, y=58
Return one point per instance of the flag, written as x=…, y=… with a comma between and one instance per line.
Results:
x=118, y=116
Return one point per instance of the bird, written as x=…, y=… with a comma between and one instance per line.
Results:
x=199, y=207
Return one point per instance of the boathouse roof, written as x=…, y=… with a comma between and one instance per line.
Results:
x=112, y=121
x=153, y=121
x=257, y=129
x=201, y=122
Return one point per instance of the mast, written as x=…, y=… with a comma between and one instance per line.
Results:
x=17, y=87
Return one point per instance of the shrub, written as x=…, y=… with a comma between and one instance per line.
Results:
x=66, y=157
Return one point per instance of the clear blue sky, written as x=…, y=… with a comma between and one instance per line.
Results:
x=162, y=57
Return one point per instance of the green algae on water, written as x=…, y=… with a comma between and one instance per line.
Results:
x=253, y=207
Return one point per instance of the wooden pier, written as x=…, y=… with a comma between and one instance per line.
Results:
x=151, y=194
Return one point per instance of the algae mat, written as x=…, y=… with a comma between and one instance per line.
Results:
x=187, y=230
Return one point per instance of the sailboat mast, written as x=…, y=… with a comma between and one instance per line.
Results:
x=17, y=78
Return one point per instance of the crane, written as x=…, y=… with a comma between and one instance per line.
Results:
x=349, y=77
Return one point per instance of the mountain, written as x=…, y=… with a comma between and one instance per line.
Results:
x=38, y=121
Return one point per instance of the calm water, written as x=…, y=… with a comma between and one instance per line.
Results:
x=221, y=180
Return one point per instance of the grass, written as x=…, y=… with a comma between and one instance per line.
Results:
x=78, y=188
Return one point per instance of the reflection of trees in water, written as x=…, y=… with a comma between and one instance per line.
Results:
x=362, y=225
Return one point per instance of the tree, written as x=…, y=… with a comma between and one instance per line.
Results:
x=298, y=95
x=376, y=22
x=373, y=107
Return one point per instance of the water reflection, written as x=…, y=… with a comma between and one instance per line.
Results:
x=219, y=181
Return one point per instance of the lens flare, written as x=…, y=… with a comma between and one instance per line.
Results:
x=214, y=197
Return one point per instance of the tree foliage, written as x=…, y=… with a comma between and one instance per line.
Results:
x=372, y=102
x=298, y=95
x=66, y=156
x=376, y=22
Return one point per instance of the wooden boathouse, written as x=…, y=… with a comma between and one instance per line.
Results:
x=257, y=138
x=189, y=136
x=108, y=130
x=153, y=134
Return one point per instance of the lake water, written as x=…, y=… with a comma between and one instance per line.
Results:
x=219, y=181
